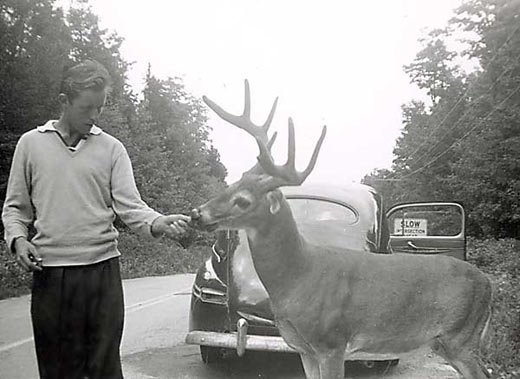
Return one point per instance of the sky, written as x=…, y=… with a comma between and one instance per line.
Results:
x=335, y=63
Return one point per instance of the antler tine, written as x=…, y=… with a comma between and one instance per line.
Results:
x=291, y=154
x=247, y=101
x=315, y=153
x=287, y=174
x=244, y=121
x=269, y=120
x=271, y=141
x=257, y=168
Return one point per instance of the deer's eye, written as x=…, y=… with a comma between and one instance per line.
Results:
x=242, y=202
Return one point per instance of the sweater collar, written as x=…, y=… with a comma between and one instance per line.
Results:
x=49, y=126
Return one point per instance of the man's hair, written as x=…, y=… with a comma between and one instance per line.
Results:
x=88, y=74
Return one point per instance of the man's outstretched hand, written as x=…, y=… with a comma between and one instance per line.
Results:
x=174, y=226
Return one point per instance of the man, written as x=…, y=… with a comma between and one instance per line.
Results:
x=71, y=179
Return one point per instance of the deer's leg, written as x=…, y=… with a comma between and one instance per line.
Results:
x=332, y=365
x=310, y=366
x=470, y=367
x=462, y=358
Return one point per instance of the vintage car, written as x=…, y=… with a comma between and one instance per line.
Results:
x=230, y=309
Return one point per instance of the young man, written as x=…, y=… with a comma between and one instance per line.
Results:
x=71, y=179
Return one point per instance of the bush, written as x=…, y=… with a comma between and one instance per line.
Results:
x=500, y=259
x=13, y=280
x=142, y=257
x=139, y=257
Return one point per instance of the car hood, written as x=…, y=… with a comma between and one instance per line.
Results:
x=247, y=296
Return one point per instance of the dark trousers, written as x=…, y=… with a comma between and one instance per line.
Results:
x=77, y=315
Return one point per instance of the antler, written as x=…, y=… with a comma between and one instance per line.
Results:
x=287, y=175
x=279, y=175
x=244, y=121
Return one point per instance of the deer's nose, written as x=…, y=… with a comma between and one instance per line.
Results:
x=195, y=214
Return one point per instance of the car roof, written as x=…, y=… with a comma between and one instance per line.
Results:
x=353, y=194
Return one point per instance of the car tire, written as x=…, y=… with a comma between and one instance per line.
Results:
x=210, y=354
x=380, y=366
x=385, y=365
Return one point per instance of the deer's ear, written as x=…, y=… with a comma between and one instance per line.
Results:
x=274, y=202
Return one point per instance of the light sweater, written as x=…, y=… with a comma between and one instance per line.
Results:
x=72, y=196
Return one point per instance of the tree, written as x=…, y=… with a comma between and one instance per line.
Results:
x=38, y=41
x=489, y=165
x=90, y=41
x=465, y=145
x=175, y=165
x=34, y=45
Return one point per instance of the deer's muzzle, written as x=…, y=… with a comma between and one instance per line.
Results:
x=200, y=222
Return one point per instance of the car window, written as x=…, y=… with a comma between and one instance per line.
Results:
x=324, y=222
x=426, y=221
x=316, y=210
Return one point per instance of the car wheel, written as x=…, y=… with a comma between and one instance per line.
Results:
x=210, y=354
x=383, y=366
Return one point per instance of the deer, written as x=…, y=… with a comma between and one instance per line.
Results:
x=335, y=304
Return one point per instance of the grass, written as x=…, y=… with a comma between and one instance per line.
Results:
x=499, y=259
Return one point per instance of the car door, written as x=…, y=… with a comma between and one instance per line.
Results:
x=428, y=229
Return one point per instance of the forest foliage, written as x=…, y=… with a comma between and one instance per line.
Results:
x=463, y=142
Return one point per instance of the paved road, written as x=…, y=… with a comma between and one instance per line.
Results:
x=153, y=342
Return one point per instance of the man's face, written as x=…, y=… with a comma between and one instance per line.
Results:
x=84, y=110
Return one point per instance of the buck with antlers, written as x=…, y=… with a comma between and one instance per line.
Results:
x=330, y=304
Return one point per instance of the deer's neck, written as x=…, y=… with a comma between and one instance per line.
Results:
x=277, y=249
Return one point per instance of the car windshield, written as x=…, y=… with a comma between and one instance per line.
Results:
x=324, y=222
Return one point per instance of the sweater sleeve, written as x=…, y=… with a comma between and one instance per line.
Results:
x=17, y=212
x=126, y=200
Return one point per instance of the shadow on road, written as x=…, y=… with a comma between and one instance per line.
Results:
x=185, y=362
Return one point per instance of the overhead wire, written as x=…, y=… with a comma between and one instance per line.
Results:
x=451, y=132
x=466, y=92
x=459, y=120
x=463, y=136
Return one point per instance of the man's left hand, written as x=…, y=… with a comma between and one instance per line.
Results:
x=173, y=226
